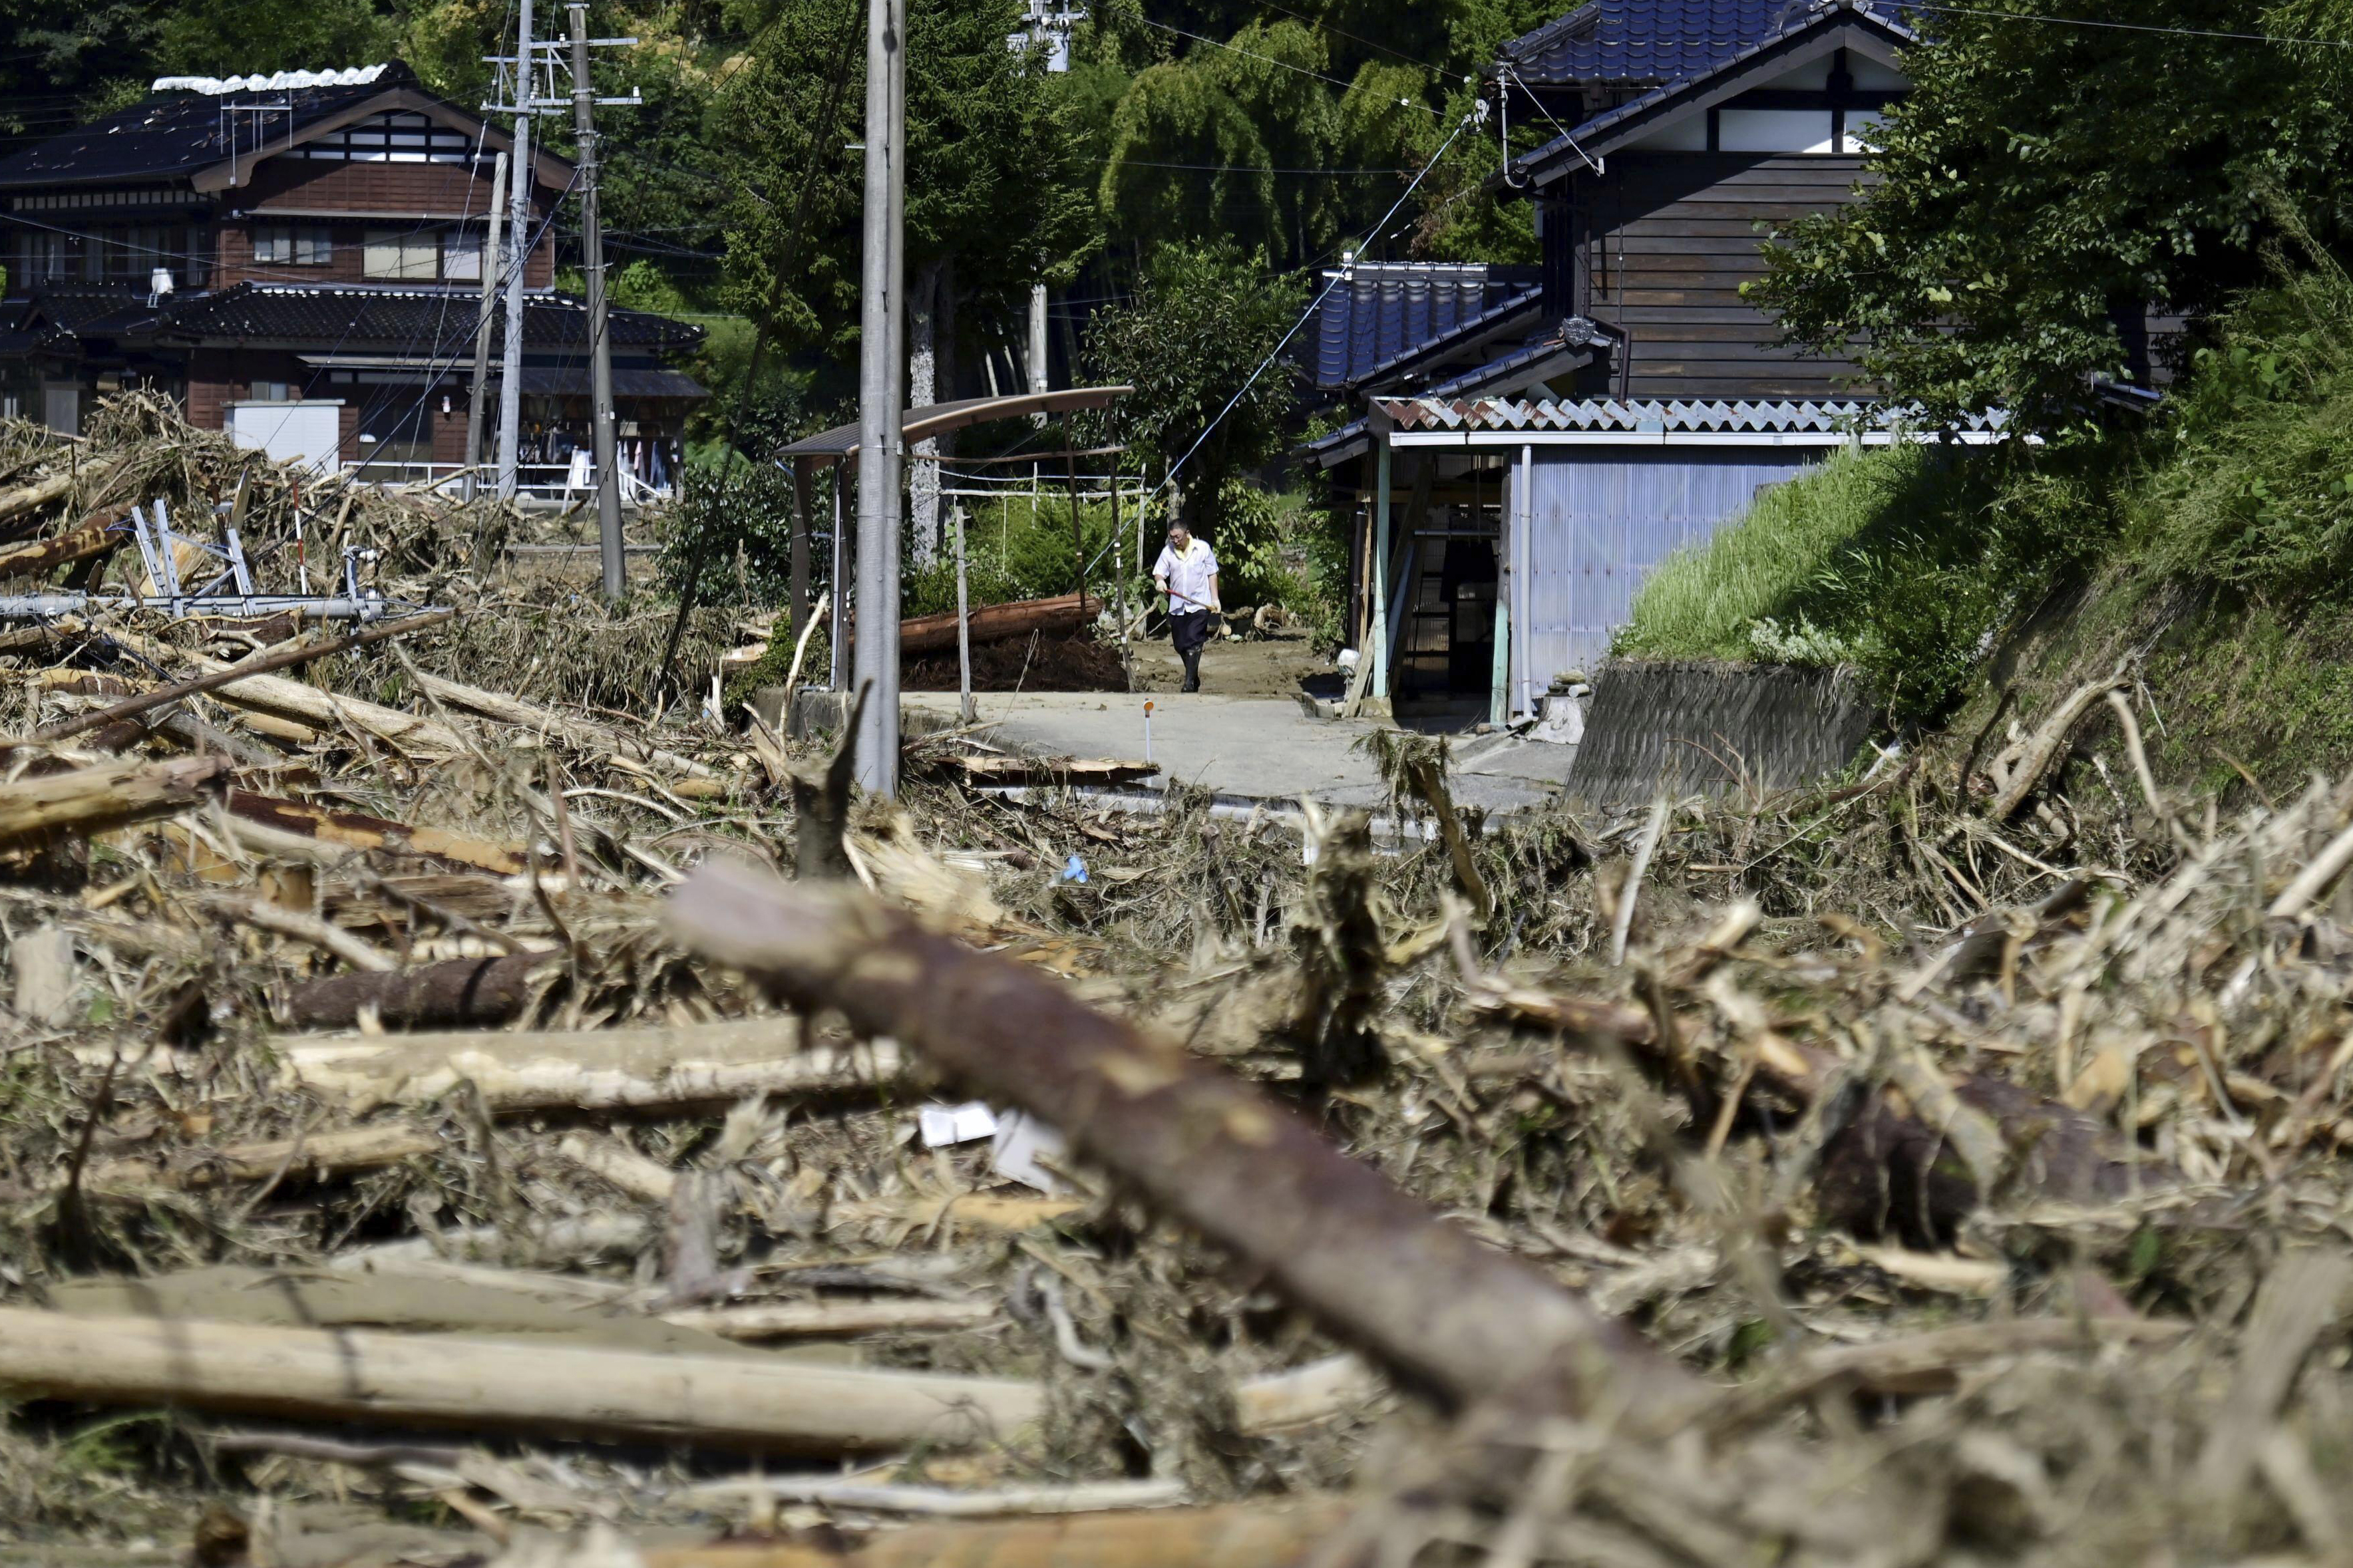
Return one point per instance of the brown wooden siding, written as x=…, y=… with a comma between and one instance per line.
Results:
x=1668, y=238
x=309, y=186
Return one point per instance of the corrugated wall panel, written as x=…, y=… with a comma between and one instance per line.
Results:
x=1603, y=519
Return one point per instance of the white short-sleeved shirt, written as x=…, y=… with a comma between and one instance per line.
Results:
x=1188, y=575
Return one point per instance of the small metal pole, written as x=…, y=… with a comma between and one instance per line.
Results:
x=1078, y=538
x=964, y=625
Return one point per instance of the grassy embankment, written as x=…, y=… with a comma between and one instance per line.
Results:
x=2206, y=547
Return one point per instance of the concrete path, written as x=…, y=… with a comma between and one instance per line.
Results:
x=1248, y=747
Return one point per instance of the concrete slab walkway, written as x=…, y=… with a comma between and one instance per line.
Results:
x=1248, y=747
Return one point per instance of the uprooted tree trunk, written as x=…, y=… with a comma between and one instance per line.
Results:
x=1447, y=1313
x=463, y=993
x=87, y=800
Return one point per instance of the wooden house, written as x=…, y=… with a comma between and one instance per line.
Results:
x=298, y=259
x=1533, y=444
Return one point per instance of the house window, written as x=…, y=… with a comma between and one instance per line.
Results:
x=280, y=245
x=48, y=258
x=1863, y=130
x=407, y=255
x=273, y=391
x=461, y=255
x=1775, y=131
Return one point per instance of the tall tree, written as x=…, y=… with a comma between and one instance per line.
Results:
x=1204, y=318
x=2046, y=182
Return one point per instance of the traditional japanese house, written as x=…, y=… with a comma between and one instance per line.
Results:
x=298, y=259
x=1534, y=441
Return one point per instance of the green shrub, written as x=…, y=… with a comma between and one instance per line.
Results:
x=2256, y=489
x=1904, y=562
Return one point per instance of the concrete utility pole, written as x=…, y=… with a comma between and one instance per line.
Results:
x=518, y=244
x=880, y=428
x=476, y=397
x=1037, y=337
x=600, y=344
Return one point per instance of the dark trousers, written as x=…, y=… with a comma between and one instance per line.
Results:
x=1188, y=632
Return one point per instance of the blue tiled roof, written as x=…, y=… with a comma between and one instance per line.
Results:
x=1649, y=43
x=1377, y=315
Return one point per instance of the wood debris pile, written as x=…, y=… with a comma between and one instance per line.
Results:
x=441, y=1122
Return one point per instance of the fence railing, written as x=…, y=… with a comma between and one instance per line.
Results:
x=551, y=482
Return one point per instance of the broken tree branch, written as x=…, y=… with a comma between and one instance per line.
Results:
x=89, y=799
x=284, y=659
x=1451, y=1315
x=444, y=1380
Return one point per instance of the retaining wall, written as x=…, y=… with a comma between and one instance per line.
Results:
x=1716, y=729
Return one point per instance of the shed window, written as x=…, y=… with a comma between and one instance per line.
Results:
x=407, y=255
x=280, y=245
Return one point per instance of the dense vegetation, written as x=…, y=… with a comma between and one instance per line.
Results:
x=2060, y=176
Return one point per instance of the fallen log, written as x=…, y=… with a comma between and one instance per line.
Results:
x=1232, y=1535
x=88, y=800
x=1447, y=1313
x=315, y=707
x=330, y=826
x=474, y=993
x=464, y=1383
x=593, y=1070
x=581, y=732
x=41, y=492
x=994, y=623
x=314, y=1154
x=94, y=535
x=285, y=659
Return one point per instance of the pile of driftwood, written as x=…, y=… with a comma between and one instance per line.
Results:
x=441, y=1123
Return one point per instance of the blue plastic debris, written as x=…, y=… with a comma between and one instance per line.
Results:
x=1073, y=871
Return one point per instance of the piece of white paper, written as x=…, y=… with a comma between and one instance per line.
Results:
x=1022, y=1141
x=944, y=1124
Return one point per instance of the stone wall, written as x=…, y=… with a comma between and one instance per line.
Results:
x=1716, y=729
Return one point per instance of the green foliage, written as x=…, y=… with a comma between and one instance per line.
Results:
x=995, y=198
x=2040, y=180
x=2257, y=491
x=1904, y=562
x=1195, y=297
x=736, y=519
x=1292, y=128
x=1013, y=552
x=235, y=37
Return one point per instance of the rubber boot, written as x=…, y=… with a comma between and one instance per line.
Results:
x=1192, y=670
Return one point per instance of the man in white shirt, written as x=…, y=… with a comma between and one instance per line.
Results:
x=1187, y=573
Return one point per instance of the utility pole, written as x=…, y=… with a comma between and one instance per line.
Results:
x=518, y=244
x=600, y=345
x=1037, y=337
x=879, y=430
x=478, y=395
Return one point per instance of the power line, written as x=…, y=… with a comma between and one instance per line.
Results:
x=1286, y=64
x=1314, y=305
